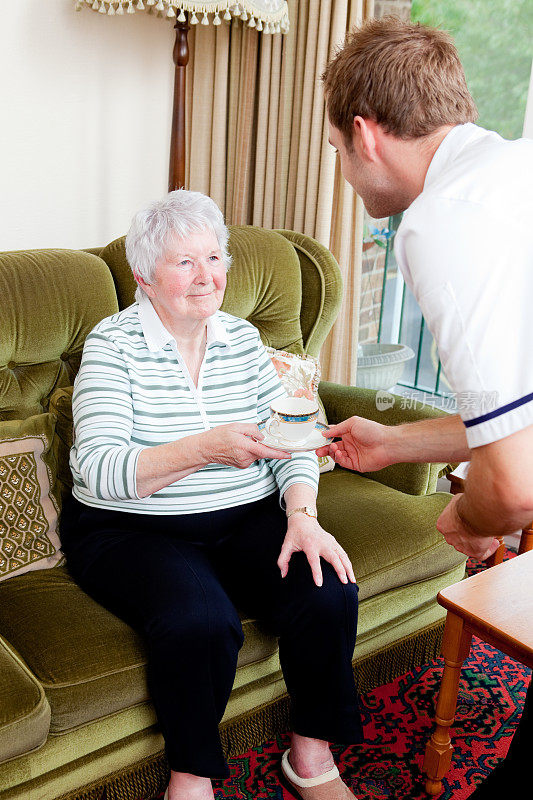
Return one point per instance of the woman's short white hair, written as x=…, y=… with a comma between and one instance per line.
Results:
x=179, y=214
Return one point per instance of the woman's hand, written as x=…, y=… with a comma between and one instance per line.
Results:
x=236, y=445
x=305, y=534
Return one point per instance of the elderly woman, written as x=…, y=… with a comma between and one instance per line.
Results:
x=175, y=519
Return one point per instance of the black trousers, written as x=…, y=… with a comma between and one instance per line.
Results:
x=179, y=579
x=511, y=777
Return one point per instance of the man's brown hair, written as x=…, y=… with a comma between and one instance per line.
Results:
x=406, y=77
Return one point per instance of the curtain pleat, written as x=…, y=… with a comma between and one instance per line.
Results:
x=257, y=142
x=220, y=112
x=242, y=127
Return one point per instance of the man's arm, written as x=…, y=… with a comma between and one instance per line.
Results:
x=367, y=446
x=498, y=497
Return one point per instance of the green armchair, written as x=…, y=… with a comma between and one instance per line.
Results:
x=75, y=714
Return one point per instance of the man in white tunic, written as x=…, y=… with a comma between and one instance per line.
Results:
x=401, y=119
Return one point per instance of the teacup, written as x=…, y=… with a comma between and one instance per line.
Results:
x=292, y=418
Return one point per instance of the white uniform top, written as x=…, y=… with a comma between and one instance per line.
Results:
x=465, y=248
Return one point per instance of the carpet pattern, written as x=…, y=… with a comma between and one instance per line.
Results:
x=398, y=720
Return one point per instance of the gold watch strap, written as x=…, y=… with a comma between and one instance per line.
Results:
x=308, y=510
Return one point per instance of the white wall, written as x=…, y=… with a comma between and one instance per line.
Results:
x=85, y=117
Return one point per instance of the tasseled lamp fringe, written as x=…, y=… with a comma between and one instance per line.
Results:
x=276, y=21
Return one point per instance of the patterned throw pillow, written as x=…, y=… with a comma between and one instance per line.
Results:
x=300, y=376
x=28, y=509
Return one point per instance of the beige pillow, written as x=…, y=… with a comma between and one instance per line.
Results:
x=300, y=376
x=28, y=510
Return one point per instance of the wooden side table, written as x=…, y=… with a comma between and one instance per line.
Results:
x=497, y=606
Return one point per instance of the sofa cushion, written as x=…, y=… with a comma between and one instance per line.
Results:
x=90, y=663
x=390, y=536
x=24, y=709
x=321, y=289
x=28, y=510
x=61, y=408
x=55, y=298
x=258, y=289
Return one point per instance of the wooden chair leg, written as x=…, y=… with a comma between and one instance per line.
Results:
x=497, y=556
x=457, y=485
x=526, y=540
x=438, y=756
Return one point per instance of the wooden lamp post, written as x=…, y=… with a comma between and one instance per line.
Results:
x=176, y=170
x=268, y=16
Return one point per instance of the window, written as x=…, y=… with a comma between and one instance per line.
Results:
x=494, y=40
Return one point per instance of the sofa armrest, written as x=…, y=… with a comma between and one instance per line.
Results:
x=341, y=402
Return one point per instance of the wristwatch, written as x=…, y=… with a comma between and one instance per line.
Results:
x=309, y=510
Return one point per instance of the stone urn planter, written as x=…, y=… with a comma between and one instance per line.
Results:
x=380, y=366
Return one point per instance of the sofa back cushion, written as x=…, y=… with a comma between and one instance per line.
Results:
x=51, y=299
x=321, y=289
x=264, y=283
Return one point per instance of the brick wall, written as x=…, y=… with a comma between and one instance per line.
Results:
x=373, y=267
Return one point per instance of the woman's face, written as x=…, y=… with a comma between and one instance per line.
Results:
x=189, y=280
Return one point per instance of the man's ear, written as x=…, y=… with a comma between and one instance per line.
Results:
x=366, y=138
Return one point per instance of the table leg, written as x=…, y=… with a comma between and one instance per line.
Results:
x=455, y=648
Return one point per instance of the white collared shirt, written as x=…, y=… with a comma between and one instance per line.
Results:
x=465, y=248
x=157, y=337
x=133, y=391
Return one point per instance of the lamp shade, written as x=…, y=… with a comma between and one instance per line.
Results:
x=268, y=16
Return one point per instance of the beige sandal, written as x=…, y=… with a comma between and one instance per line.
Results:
x=328, y=786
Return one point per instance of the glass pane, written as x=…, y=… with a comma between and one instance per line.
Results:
x=391, y=301
x=494, y=40
x=410, y=331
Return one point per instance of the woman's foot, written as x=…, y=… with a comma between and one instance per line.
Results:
x=309, y=771
x=310, y=758
x=184, y=786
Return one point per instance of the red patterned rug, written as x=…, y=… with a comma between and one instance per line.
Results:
x=398, y=720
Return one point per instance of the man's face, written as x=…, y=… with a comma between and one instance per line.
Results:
x=371, y=181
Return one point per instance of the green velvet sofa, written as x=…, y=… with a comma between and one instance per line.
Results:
x=75, y=715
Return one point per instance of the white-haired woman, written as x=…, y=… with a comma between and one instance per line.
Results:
x=175, y=518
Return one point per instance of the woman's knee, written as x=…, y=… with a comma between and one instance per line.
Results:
x=335, y=598
x=328, y=604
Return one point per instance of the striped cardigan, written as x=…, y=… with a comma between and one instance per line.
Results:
x=133, y=391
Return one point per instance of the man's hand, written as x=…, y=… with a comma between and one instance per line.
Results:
x=362, y=446
x=367, y=446
x=461, y=536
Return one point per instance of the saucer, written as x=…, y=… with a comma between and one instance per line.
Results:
x=313, y=441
